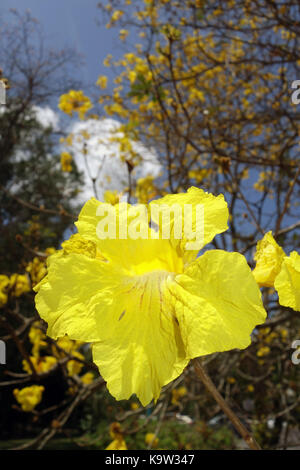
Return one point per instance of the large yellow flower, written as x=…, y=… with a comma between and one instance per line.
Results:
x=148, y=306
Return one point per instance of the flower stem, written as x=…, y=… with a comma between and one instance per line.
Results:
x=202, y=374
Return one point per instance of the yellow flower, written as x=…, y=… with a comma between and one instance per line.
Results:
x=269, y=256
x=74, y=367
x=250, y=388
x=151, y=439
x=149, y=305
x=116, y=15
x=19, y=284
x=37, y=270
x=287, y=283
x=65, y=161
x=116, y=434
x=123, y=34
x=117, y=444
x=102, y=81
x=134, y=406
x=263, y=351
x=37, y=337
x=145, y=189
x=75, y=101
x=112, y=197
x=41, y=364
x=178, y=393
x=4, y=284
x=275, y=269
x=29, y=397
x=87, y=378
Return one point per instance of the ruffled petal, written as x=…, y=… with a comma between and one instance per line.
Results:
x=144, y=351
x=203, y=217
x=74, y=295
x=126, y=246
x=217, y=303
x=287, y=283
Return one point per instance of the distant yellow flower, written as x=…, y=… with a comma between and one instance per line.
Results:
x=177, y=394
x=19, y=284
x=134, y=406
x=37, y=270
x=74, y=367
x=102, y=81
x=123, y=34
x=112, y=197
x=116, y=15
x=65, y=161
x=269, y=256
x=41, y=364
x=37, y=337
x=148, y=306
x=29, y=397
x=231, y=380
x=116, y=434
x=75, y=101
x=87, y=378
x=263, y=351
x=250, y=388
x=4, y=284
x=152, y=440
x=145, y=189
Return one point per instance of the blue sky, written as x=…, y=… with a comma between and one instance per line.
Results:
x=72, y=23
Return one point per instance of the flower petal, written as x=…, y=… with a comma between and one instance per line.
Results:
x=218, y=303
x=127, y=252
x=138, y=347
x=287, y=283
x=213, y=217
x=144, y=351
x=268, y=257
x=72, y=297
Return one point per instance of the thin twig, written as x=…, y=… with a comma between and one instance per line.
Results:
x=201, y=373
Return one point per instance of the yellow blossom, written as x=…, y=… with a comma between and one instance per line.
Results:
x=151, y=304
x=75, y=101
x=87, y=378
x=102, y=81
x=116, y=434
x=41, y=364
x=268, y=257
x=112, y=197
x=4, y=284
x=177, y=394
x=65, y=161
x=29, y=397
x=287, y=283
x=74, y=367
x=151, y=440
x=263, y=351
x=37, y=270
x=19, y=284
x=37, y=337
